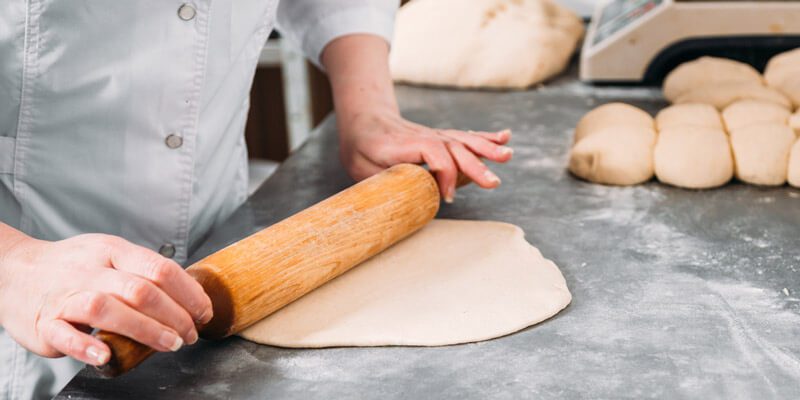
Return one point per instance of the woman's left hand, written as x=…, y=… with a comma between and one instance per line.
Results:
x=374, y=136
x=375, y=139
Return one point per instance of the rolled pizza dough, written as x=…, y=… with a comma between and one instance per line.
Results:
x=707, y=71
x=451, y=282
x=482, y=43
x=691, y=114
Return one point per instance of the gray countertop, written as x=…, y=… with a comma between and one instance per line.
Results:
x=677, y=293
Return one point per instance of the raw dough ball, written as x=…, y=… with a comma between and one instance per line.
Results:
x=621, y=155
x=482, y=43
x=693, y=157
x=612, y=115
x=707, y=71
x=747, y=112
x=451, y=282
x=794, y=123
x=783, y=73
x=782, y=66
x=793, y=173
x=761, y=153
x=721, y=95
x=691, y=114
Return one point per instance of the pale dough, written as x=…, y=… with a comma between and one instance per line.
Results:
x=721, y=95
x=691, y=114
x=621, y=155
x=794, y=122
x=693, y=157
x=482, y=43
x=761, y=153
x=783, y=74
x=612, y=115
x=793, y=173
x=748, y=112
x=707, y=71
x=451, y=282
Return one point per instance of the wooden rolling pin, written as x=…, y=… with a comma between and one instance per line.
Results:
x=258, y=275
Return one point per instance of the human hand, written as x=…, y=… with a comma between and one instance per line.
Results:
x=53, y=293
x=377, y=138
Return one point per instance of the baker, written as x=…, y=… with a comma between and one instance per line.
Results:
x=121, y=147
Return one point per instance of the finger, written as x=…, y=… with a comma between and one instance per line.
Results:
x=441, y=163
x=69, y=341
x=106, y=312
x=147, y=298
x=473, y=167
x=481, y=146
x=167, y=275
x=501, y=137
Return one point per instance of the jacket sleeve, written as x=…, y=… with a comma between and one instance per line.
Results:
x=312, y=24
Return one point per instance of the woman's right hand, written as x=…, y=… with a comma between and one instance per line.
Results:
x=53, y=293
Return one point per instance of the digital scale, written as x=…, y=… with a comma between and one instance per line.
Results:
x=640, y=41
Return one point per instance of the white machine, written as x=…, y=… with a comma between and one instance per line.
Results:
x=640, y=41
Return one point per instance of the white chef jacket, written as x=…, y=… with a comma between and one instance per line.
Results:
x=127, y=118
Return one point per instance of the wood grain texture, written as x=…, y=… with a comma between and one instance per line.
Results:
x=258, y=275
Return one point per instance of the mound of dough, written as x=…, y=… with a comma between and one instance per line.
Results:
x=611, y=115
x=620, y=155
x=482, y=43
x=451, y=282
x=693, y=157
x=707, y=71
x=748, y=112
x=794, y=123
x=761, y=153
x=721, y=95
x=793, y=173
x=783, y=74
x=691, y=114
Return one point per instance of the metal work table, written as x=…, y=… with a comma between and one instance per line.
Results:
x=677, y=293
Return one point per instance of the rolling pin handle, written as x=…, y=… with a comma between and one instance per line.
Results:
x=126, y=354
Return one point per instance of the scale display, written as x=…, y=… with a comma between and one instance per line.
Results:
x=619, y=13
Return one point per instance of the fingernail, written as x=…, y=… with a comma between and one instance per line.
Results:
x=170, y=340
x=192, y=337
x=491, y=177
x=505, y=151
x=448, y=198
x=207, y=315
x=98, y=355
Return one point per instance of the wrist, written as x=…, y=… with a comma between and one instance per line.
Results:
x=10, y=240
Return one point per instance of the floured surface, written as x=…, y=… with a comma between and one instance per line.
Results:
x=451, y=282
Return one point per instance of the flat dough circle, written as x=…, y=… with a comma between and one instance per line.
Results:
x=482, y=43
x=451, y=282
x=691, y=114
x=707, y=71
x=749, y=112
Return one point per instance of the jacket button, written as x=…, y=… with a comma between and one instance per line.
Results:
x=167, y=250
x=186, y=12
x=174, y=141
